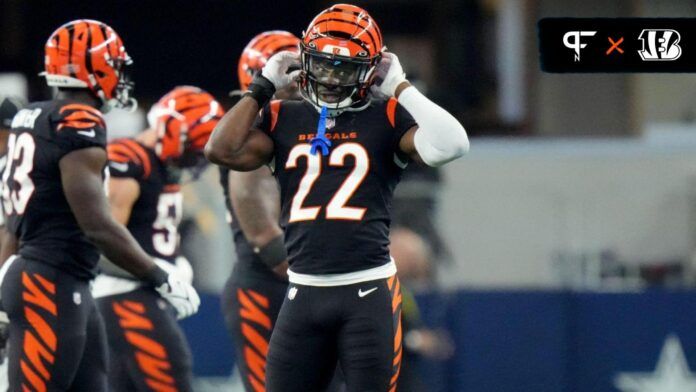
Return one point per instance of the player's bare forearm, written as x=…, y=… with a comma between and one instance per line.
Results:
x=123, y=193
x=256, y=201
x=8, y=244
x=234, y=144
x=81, y=177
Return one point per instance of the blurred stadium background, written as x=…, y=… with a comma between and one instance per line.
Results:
x=557, y=256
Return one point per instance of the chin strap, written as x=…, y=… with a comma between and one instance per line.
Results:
x=320, y=141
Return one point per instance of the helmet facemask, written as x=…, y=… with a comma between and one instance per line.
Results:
x=338, y=82
x=121, y=95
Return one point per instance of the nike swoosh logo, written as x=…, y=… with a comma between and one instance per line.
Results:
x=122, y=167
x=364, y=293
x=90, y=133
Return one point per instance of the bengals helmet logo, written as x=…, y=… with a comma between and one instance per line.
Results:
x=660, y=45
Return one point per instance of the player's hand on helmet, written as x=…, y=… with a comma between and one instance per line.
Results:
x=277, y=69
x=181, y=295
x=389, y=74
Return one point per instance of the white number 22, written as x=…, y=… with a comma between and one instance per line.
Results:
x=336, y=208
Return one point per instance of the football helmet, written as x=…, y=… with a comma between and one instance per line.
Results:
x=89, y=54
x=183, y=120
x=259, y=50
x=339, y=52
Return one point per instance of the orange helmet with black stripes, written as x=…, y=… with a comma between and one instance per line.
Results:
x=89, y=54
x=184, y=119
x=340, y=50
x=259, y=50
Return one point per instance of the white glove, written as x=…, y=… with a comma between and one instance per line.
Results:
x=181, y=295
x=276, y=69
x=389, y=74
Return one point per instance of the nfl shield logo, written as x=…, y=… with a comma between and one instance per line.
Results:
x=330, y=122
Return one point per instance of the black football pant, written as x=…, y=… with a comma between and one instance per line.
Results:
x=148, y=349
x=57, y=338
x=358, y=325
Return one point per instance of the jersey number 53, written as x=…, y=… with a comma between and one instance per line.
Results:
x=20, y=163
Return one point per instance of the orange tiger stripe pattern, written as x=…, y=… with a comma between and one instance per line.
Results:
x=352, y=26
x=259, y=50
x=391, y=111
x=275, y=109
x=80, y=117
x=127, y=151
x=40, y=341
x=395, y=290
x=85, y=53
x=253, y=312
x=184, y=120
x=150, y=355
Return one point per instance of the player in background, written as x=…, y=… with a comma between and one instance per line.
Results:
x=9, y=106
x=338, y=156
x=144, y=194
x=58, y=214
x=255, y=290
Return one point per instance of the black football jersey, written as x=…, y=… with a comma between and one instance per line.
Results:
x=33, y=198
x=249, y=265
x=336, y=207
x=156, y=214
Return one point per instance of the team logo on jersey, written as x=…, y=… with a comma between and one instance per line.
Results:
x=77, y=298
x=660, y=45
x=90, y=133
x=122, y=167
x=292, y=293
x=330, y=122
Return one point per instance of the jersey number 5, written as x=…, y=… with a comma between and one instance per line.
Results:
x=336, y=209
x=20, y=162
x=169, y=212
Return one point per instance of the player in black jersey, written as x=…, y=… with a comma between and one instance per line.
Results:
x=255, y=290
x=338, y=156
x=144, y=192
x=9, y=106
x=57, y=211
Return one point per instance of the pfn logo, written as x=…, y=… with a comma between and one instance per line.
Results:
x=660, y=45
x=575, y=43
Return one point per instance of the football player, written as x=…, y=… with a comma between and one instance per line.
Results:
x=57, y=212
x=338, y=156
x=9, y=106
x=254, y=292
x=144, y=193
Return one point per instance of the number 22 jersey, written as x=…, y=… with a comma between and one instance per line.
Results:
x=336, y=208
x=33, y=199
